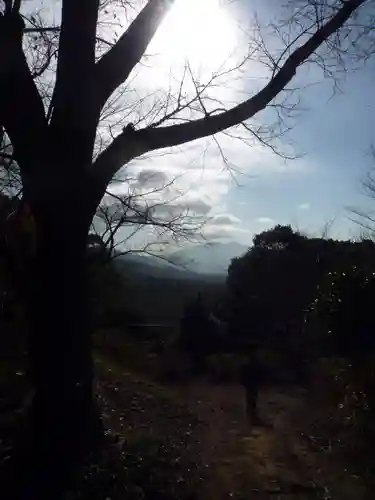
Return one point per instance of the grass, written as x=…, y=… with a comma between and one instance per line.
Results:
x=190, y=441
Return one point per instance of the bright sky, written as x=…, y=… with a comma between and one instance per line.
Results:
x=335, y=134
x=205, y=39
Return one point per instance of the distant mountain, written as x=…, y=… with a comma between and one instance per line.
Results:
x=211, y=258
x=151, y=267
x=158, y=290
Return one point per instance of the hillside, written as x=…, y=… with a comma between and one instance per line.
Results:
x=208, y=259
x=158, y=290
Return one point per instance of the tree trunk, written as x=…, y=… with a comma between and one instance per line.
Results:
x=64, y=421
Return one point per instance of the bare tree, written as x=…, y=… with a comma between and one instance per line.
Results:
x=365, y=218
x=52, y=115
x=10, y=176
x=154, y=212
x=150, y=213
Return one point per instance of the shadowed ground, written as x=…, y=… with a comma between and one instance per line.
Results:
x=191, y=442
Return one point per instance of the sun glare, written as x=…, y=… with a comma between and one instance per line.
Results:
x=200, y=31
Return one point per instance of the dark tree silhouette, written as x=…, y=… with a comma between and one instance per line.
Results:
x=54, y=150
x=196, y=336
x=309, y=302
x=270, y=286
x=275, y=286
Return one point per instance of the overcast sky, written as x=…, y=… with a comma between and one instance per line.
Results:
x=333, y=133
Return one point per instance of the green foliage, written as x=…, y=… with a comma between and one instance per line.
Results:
x=195, y=336
x=339, y=327
x=270, y=287
x=108, y=296
x=341, y=313
x=202, y=334
x=343, y=421
x=274, y=285
x=277, y=238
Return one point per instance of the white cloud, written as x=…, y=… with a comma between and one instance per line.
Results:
x=192, y=203
x=304, y=206
x=225, y=227
x=224, y=220
x=264, y=220
x=225, y=233
x=195, y=204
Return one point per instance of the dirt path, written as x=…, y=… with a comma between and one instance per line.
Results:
x=248, y=461
x=193, y=442
x=274, y=461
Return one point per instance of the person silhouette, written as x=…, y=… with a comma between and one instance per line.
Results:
x=252, y=378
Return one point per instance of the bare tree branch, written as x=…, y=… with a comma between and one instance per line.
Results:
x=366, y=218
x=115, y=66
x=57, y=29
x=137, y=211
x=127, y=146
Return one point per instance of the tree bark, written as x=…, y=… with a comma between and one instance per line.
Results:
x=64, y=421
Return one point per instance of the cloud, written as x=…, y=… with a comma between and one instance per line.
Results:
x=304, y=206
x=201, y=182
x=264, y=220
x=151, y=178
x=225, y=233
x=191, y=202
x=197, y=205
x=225, y=227
x=224, y=220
